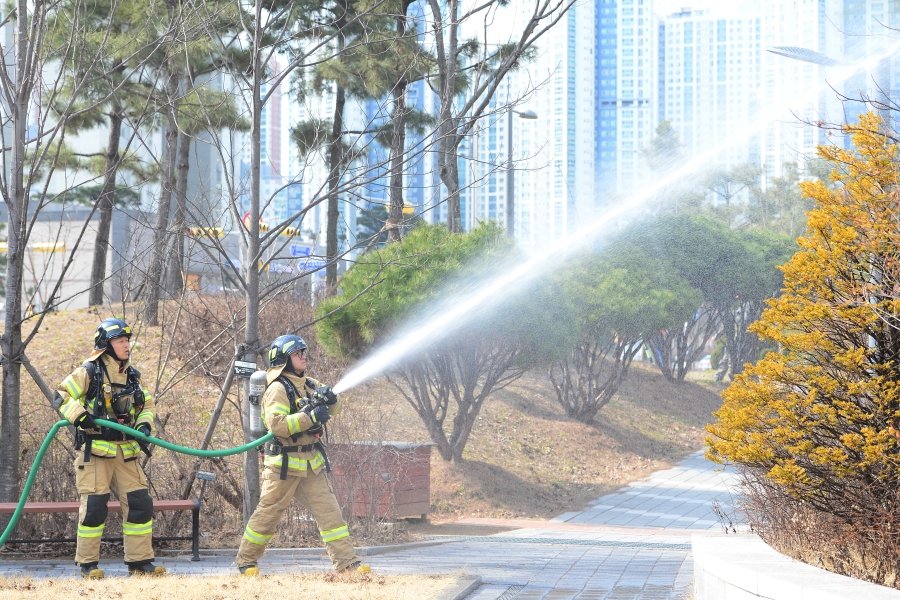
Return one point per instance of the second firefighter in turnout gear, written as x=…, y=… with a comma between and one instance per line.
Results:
x=106, y=386
x=295, y=409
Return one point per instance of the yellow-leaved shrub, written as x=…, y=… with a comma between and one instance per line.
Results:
x=813, y=427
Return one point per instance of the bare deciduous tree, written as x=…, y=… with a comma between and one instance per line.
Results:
x=35, y=65
x=453, y=380
x=465, y=96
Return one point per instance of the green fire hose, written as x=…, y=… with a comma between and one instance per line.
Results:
x=124, y=429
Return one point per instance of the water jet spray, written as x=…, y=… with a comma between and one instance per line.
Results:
x=453, y=311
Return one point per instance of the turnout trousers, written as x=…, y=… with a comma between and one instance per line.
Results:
x=314, y=491
x=94, y=480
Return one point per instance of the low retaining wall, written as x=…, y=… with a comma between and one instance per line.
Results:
x=742, y=566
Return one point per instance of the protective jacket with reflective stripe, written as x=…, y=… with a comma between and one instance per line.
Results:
x=284, y=423
x=73, y=390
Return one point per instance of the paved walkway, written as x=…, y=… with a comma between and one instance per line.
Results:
x=634, y=543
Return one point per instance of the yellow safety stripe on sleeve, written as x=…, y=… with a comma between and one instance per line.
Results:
x=278, y=409
x=138, y=528
x=147, y=396
x=293, y=423
x=90, y=532
x=256, y=538
x=145, y=415
x=70, y=410
x=72, y=388
x=335, y=534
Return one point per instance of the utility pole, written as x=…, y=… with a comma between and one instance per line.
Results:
x=510, y=170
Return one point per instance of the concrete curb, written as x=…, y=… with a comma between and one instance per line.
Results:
x=461, y=588
x=365, y=551
x=376, y=550
x=744, y=566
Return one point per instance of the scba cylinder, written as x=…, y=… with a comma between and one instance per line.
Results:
x=257, y=389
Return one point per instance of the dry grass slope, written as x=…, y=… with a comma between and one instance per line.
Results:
x=527, y=459
x=298, y=587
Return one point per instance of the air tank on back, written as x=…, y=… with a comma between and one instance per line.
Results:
x=257, y=389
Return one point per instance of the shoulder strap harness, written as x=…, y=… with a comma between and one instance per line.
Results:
x=276, y=448
x=101, y=393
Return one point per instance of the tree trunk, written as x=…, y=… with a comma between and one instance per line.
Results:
x=17, y=206
x=335, y=158
x=179, y=219
x=250, y=348
x=450, y=176
x=105, y=205
x=153, y=284
x=398, y=148
x=448, y=126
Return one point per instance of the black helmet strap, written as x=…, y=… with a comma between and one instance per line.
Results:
x=112, y=351
x=289, y=366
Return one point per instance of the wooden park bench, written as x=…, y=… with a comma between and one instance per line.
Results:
x=72, y=507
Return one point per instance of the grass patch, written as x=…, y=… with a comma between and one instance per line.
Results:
x=314, y=586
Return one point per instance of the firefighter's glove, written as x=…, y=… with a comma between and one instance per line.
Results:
x=320, y=415
x=85, y=421
x=329, y=395
x=145, y=445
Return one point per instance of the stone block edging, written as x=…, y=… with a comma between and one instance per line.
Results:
x=744, y=566
x=461, y=588
x=360, y=551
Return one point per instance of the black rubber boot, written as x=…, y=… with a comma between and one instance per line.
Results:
x=146, y=569
x=91, y=571
x=358, y=567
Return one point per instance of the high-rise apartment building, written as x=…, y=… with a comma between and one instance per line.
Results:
x=595, y=100
x=281, y=191
x=795, y=92
x=627, y=106
x=720, y=80
x=553, y=155
x=710, y=79
x=870, y=35
x=556, y=189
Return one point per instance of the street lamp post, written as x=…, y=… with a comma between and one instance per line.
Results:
x=511, y=172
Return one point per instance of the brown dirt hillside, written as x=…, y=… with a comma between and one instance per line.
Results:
x=525, y=458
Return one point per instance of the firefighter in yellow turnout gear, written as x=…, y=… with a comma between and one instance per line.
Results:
x=106, y=386
x=294, y=464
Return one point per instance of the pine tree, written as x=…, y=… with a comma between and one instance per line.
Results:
x=109, y=100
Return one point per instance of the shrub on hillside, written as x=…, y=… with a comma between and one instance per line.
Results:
x=814, y=427
x=612, y=300
x=734, y=272
x=411, y=281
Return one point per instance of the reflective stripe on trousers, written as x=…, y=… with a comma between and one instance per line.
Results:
x=256, y=538
x=138, y=528
x=335, y=534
